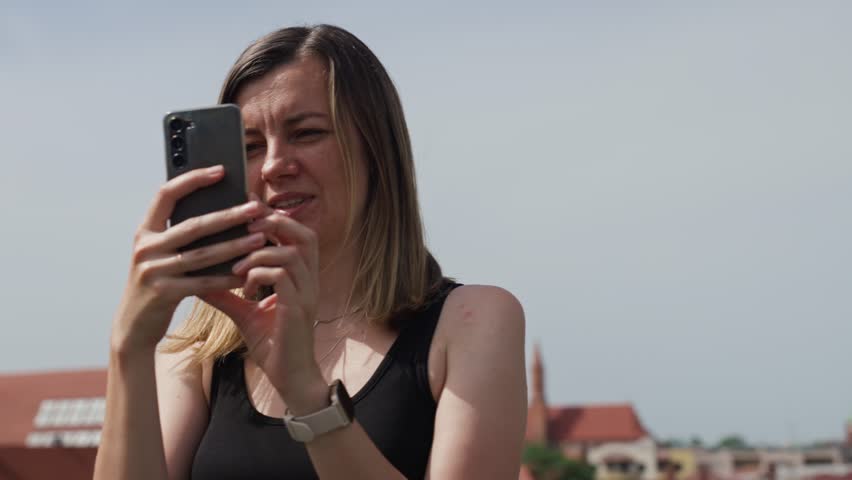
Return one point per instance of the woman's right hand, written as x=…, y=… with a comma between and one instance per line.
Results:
x=156, y=283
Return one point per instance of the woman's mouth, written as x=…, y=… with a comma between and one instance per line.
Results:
x=293, y=205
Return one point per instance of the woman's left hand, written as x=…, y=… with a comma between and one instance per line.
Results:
x=278, y=330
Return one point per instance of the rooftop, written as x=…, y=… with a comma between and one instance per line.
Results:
x=44, y=402
x=594, y=423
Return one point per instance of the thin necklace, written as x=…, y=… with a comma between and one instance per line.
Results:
x=317, y=322
x=336, y=343
x=326, y=354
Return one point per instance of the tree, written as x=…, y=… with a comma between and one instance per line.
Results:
x=694, y=442
x=671, y=443
x=549, y=464
x=736, y=442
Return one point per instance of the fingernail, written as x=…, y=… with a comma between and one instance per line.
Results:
x=256, y=239
x=251, y=208
x=237, y=268
x=215, y=170
x=282, y=212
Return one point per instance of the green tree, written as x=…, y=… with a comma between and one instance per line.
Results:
x=549, y=464
x=733, y=442
x=672, y=443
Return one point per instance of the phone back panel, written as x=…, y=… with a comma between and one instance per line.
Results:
x=210, y=136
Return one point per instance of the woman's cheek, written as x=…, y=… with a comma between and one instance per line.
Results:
x=254, y=180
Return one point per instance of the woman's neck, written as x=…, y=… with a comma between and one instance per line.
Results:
x=336, y=279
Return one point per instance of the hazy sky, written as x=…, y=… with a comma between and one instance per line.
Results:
x=666, y=187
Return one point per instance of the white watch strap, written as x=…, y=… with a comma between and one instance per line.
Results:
x=308, y=427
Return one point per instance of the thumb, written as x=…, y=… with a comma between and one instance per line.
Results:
x=241, y=311
x=231, y=304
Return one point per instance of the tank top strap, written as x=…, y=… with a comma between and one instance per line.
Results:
x=225, y=379
x=417, y=329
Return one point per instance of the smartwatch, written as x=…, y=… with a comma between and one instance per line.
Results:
x=338, y=414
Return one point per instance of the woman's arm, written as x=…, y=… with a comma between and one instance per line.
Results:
x=278, y=332
x=482, y=409
x=131, y=444
x=144, y=391
x=184, y=409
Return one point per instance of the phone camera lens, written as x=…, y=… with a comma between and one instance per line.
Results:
x=176, y=124
x=177, y=142
x=178, y=160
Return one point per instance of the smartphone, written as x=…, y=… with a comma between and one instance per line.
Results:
x=202, y=138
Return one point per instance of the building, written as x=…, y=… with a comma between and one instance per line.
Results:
x=613, y=439
x=775, y=463
x=831, y=460
x=609, y=436
x=681, y=464
x=51, y=424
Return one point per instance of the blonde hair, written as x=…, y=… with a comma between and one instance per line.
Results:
x=395, y=272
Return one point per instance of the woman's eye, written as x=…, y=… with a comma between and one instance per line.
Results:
x=307, y=134
x=253, y=148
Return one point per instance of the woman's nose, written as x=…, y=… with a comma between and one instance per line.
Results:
x=279, y=163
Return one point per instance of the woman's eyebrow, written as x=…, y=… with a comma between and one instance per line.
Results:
x=298, y=117
x=289, y=121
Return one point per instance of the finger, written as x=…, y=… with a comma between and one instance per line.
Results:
x=282, y=225
x=182, y=287
x=164, y=202
x=199, y=258
x=276, y=276
x=244, y=315
x=198, y=227
x=267, y=210
x=232, y=305
x=286, y=256
x=288, y=231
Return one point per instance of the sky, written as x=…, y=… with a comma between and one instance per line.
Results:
x=664, y=185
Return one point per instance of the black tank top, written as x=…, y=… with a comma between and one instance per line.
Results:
x=395, y=407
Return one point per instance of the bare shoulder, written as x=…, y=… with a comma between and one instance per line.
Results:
x=479, y=323
x=482, y=407
x=176, y=364
x=183, y=406
x=177, y=367
x=474, y=310
x=172, y=361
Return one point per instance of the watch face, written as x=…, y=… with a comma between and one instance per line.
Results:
x=338, y=391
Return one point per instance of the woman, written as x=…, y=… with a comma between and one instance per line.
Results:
x=435, y=370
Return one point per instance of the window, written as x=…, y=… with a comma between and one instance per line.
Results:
x=70, y=412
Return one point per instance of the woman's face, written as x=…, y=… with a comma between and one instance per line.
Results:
x=294, y=160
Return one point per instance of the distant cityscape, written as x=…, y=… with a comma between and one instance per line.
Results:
x=52, y=428
x=613, y=440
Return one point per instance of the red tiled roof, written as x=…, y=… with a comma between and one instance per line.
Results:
x=21, y=395
x=64, y=463
x=594, y=423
